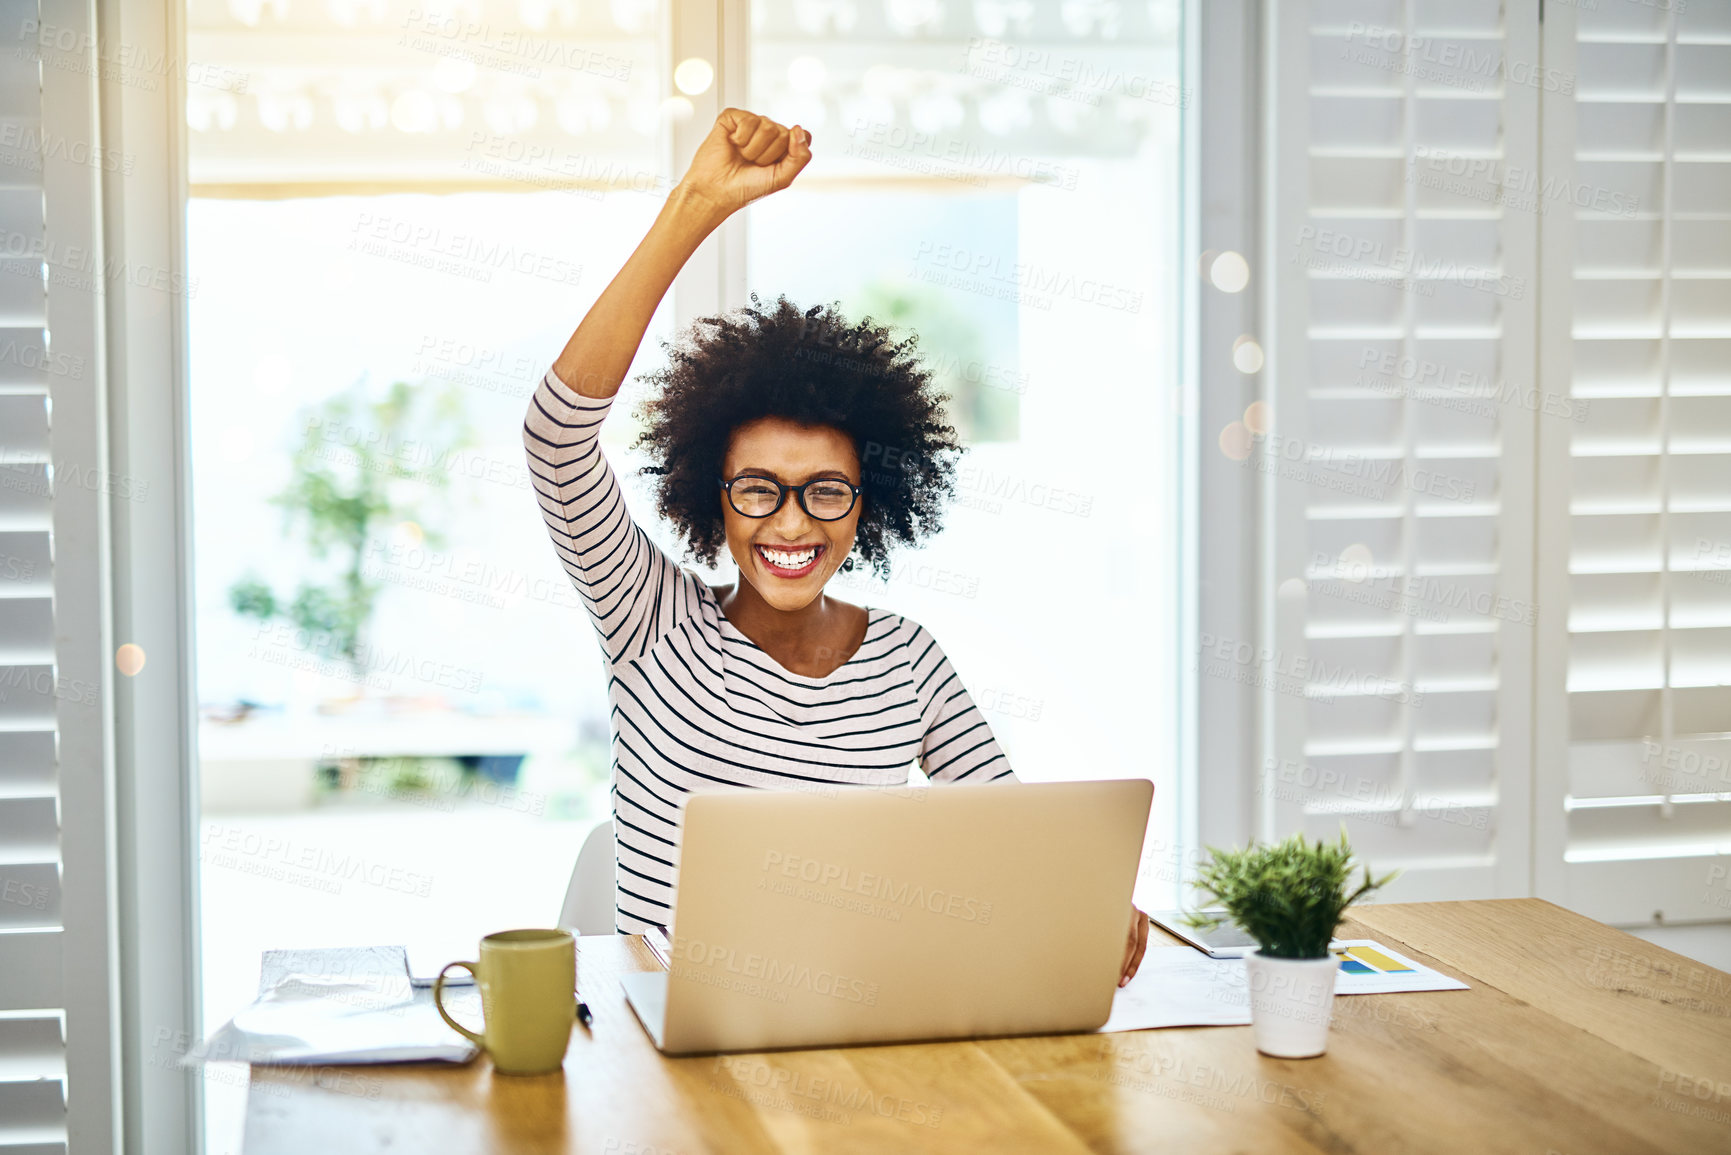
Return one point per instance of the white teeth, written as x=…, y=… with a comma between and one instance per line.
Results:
x=785, y=560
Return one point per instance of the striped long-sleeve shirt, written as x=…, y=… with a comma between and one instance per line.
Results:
x=695, y=705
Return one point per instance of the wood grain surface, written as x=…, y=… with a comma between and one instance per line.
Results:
x=1575, y=1039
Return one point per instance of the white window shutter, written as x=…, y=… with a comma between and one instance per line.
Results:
x=1634, y=703
x=58, y=1030
x=1397, y=455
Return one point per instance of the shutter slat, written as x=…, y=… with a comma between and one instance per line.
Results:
x=1648, y=829
x=26, y=763
x=31, y=1049
x=1702, y=186
x=24, y=564
x=24, y=419
x=1453, y=124
x=1620, y=71
x=1703, y=71
x=29, y=832
x=1703, y=21
x=21, y=216
x=1464, y=834
x=26, y=631
x=1701, y=304
x=33, y=963
x=1481, y=17
x=1619, y=22
x=27, y=696
x=1609, y=128
x=1617, y=246
x=24, y=498
x=25, y=360
x=29, y=896
x=1703, y=130
x=1357, y=184
x=1702, y=710
x=1344, y=13
x=22, y=299
x=34, y=1115
x=1624, y=715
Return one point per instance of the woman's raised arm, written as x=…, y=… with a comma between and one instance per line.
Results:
x=634, y=592
x=744, y=157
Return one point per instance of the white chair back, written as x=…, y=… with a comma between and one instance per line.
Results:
x=589, y=898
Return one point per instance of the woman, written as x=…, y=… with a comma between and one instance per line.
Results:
x=795, y=440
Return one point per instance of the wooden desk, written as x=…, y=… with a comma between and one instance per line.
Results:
x=1575, y=1038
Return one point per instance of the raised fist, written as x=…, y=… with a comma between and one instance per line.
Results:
x=746, y=156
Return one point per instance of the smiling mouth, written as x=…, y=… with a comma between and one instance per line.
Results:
x=789, y=563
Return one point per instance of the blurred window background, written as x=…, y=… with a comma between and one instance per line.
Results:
x=397, y=217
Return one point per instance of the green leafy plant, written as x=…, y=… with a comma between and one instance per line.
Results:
x=1289, y=897
x=364, y=463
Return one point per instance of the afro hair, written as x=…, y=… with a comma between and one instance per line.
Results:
x=811, y=367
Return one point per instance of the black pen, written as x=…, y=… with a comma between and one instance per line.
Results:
x=583, y=1015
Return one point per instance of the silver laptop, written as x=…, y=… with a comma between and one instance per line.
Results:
x=875, y=916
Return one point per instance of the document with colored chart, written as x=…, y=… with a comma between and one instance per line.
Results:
x=1179, y=986
x=1369, y=968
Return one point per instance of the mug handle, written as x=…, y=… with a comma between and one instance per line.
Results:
x=439, y=1002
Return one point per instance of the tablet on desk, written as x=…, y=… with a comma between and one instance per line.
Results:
x=1228, y=940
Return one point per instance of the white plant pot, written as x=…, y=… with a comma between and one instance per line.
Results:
x=1291, y=1002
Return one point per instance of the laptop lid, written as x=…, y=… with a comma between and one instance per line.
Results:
x=807, y=919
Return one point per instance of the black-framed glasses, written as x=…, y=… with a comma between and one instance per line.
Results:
x=824, y=498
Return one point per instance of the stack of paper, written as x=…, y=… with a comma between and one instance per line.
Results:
x=341, y=1006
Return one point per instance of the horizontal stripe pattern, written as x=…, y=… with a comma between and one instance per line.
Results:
x=694, y=704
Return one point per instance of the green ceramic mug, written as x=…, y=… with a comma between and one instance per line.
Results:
x=528, y=981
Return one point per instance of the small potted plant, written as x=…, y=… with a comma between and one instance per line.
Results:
x=1289, y=897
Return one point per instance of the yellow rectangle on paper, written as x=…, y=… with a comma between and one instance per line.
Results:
x=1375, y=958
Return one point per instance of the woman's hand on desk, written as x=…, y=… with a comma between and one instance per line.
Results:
x=1136, y=946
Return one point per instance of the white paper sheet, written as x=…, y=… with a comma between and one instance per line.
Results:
x=340, y=1006
x=1179, y=986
